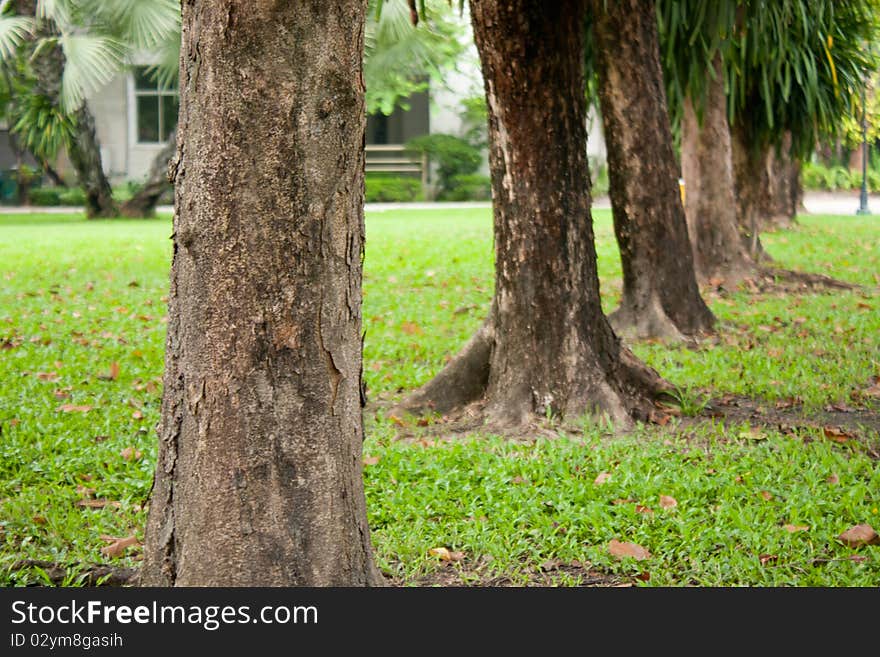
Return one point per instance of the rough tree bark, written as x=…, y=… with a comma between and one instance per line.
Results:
x=768, y=187
x=84, y=152
x=259, y=475
x=143, y=204
x=661, y=298
x=546, y=345
x=83, y=148
x=749, y=167
x=710, y=198
x=782, y=190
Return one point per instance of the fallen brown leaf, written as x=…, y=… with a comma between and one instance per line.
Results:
x=113, y=374
x=371, y=460
x=621, y=549
x=641, y=508
x=84, y=491
x=668, y=502
x=791, y=529
x=768, y=558
x=118, y=546
x=48, y=376
x=444, y=554
x=766, y=495
x=74, y=408
x=99, y=504
x=602, y=478
x=131, y=454
x=860, y=535
x=833, y=479
x=836, y=434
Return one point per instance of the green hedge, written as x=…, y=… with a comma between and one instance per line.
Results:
x=467, y=187
x=50, y=196
x=384, y=188
x=45, y=196
x=837, y=178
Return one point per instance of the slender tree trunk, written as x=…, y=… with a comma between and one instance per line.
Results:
x=50, y=171
x=768, y=187
x=781, y=193
x=143, y=204
x=259, y=476
x=85, y=156
x=660, y=294
x=710, y=199
x=749, y=170
x=546, y=346
x=83, y=149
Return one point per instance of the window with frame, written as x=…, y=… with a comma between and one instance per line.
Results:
x=155, y=108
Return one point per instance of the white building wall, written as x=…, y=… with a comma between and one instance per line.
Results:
x=114, y=110
x=109, y=107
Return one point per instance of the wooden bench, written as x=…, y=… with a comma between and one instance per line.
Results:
x=395, y=158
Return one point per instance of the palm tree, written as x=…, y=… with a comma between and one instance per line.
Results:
x=74, y=47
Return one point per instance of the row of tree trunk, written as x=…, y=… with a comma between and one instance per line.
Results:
x=258, y=480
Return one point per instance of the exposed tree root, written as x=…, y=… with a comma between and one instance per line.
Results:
x=647, y=322
x=804, y=279
x=93, y=575
x=622, y=390
x=462, y=381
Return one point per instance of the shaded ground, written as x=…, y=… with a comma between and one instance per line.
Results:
x=837, y=422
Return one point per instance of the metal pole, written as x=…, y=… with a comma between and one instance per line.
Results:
x=863, y=197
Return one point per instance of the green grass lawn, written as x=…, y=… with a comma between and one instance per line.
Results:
x=81, y=346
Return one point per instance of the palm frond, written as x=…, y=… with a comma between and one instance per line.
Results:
x=13, y=30
x=91, y=62
x=141, y=24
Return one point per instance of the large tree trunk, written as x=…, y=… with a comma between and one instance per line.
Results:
x=259, y=476
x=546, y=347
x=143, y=204
x=710, y=197
x=83, y=149
x=661, y=298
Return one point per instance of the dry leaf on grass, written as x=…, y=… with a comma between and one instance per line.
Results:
x=668, y=502
x=131, y=454
x=621, y=549
x=118, y=546
x=444, y=554
x=860, y=535
x=371, y=460
x=602, y=478
x=791, y=529
x=99, y=504
x=74, y=408
x=836, y=434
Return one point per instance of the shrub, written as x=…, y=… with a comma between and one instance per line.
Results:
x=467, y=187
x=45, y=196
x=813, y=176
x=392, y=189
x=453, y=155
x=72, y=196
